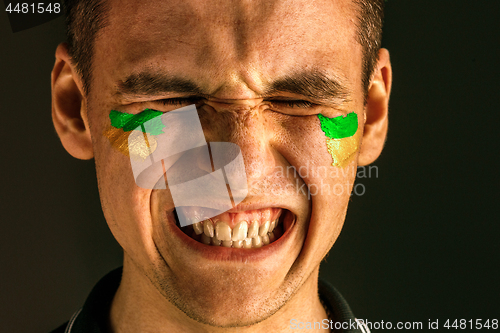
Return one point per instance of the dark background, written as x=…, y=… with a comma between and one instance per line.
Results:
x=420, y=244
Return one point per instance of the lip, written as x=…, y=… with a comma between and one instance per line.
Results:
x=220, y=253
x=256, y=206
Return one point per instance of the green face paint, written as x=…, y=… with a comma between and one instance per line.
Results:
x=129, y=122
x=339, y=127
x=342, y=137
x=124, y=125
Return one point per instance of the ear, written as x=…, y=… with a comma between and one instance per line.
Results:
x=69, y=112
x=376, y=111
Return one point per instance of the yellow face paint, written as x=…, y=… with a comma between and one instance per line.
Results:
x=118, y=139
x=342, y=137
x=141, y=144
x=343, y=150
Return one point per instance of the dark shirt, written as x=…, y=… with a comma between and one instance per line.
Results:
x=93, y=316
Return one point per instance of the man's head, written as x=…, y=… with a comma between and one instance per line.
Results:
x=260, y=73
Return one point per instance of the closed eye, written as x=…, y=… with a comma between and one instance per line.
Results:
x=179, y=101
x=293, y=103
x=277, y=102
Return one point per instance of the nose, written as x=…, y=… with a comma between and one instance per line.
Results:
x=234, y=105
x=242, y=122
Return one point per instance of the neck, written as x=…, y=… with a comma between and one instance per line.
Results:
x=139, y=307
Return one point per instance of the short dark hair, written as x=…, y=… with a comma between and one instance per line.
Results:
x=370, y=22
x=85, y=18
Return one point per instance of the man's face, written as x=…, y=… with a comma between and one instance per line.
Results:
x=234, y=51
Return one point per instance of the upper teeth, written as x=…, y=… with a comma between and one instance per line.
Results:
x=241, y=236
x=254, y=229
x=240, y=231
x=223, y=231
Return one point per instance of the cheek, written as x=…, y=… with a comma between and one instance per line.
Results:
x=135, y=144
x=123, y=202
x=343, y=151
x=302, y=143
x=320, y=161
x=128, y=135
x=117, y=138
x=342, y=138
x=126, y=206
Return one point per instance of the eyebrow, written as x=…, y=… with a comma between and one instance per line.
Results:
x=314, y=84
x=146, y=83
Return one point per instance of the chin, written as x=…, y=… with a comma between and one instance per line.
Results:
x=236, y=300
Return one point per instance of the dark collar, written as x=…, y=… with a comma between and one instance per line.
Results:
x=339, y=310
x=94, y=315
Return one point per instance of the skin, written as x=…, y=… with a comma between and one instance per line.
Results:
x=232, y=50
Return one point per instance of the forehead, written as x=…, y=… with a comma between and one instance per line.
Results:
x=220, y=41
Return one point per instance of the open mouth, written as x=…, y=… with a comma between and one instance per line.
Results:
x=242, y=230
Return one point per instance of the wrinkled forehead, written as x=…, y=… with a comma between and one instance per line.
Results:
x=256, y=38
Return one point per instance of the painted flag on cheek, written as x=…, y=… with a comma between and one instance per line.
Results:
x=342, y=137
